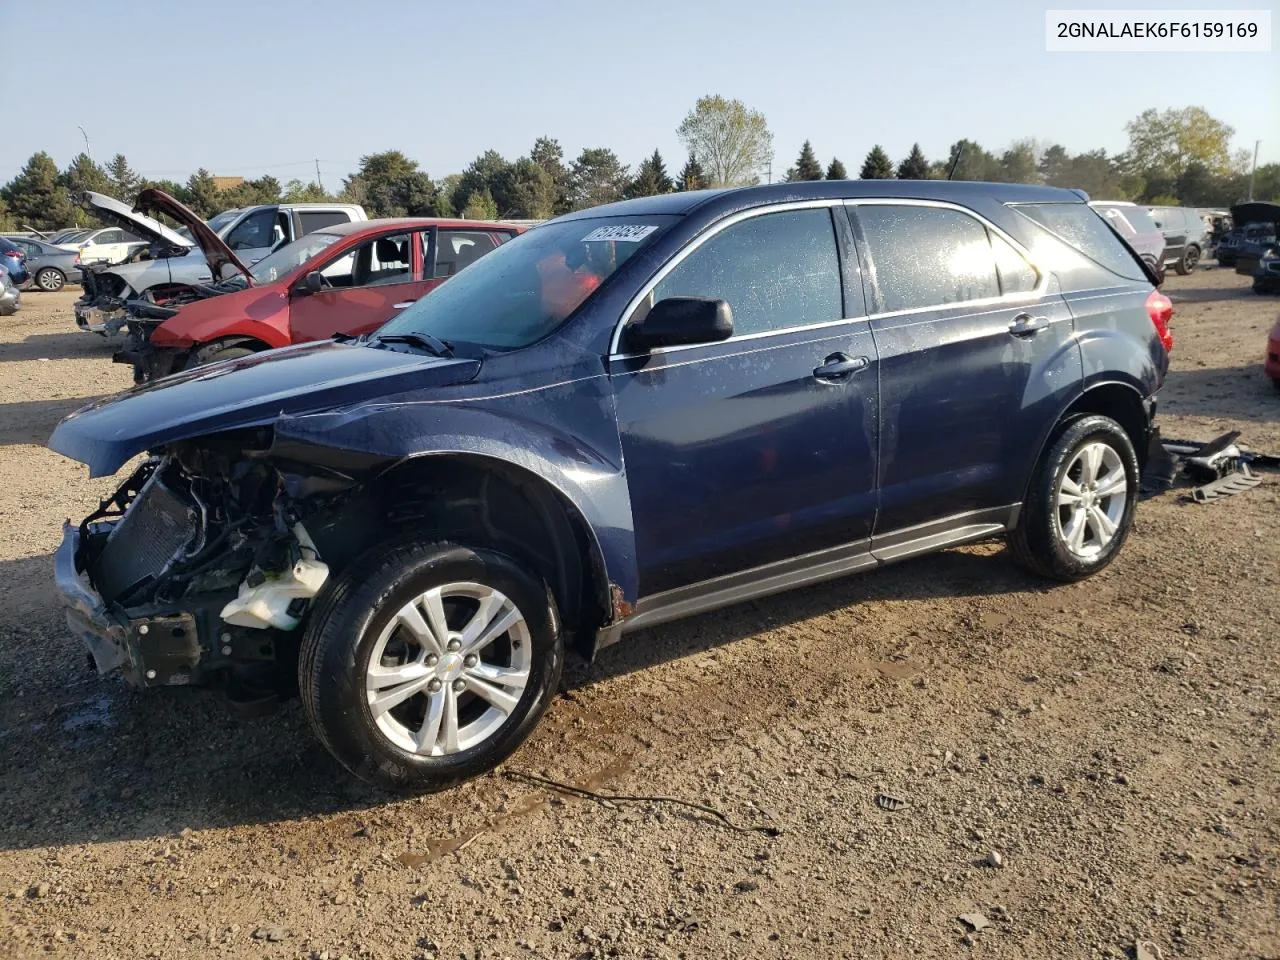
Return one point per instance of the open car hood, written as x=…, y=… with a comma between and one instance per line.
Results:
x=217, y=253
x=112, y=211
x=245, y=392
x=1255, y=211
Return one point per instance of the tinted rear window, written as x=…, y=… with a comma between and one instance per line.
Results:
x=1079, y=225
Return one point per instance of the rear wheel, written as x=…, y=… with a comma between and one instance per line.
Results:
x=50, y=279
x=1187, y=262
x=426, y=664
x=1080, y=505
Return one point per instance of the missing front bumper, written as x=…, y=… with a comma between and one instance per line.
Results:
x=159, y=648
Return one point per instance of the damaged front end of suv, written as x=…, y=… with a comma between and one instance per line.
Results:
x=199, y=567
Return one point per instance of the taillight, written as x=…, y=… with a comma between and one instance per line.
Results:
x=76, y=261
x=1160, y=310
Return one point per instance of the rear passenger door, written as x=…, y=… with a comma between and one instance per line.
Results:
x=760, y=448
x=974, y=345
x=366, y=286
x=1173, y=226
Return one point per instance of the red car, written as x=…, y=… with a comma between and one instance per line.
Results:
x=349, y=278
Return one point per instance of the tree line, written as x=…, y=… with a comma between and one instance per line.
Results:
x=1177, y=156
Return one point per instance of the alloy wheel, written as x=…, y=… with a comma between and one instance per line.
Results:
x=50, y=280
x=449, y=669
x=1091, y=499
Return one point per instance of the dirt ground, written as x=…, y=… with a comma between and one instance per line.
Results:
x=1110, y=746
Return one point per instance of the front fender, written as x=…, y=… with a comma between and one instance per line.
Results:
x=248, y=313
x=521, y=430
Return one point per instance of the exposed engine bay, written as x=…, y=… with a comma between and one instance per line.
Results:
x=200, y=565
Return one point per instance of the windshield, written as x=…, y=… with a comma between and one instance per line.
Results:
x=290, y=257
x=73, y=236
x=528, y=287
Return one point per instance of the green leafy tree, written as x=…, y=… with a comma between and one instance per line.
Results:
x=807, y=166
x=692, y=176
x=201, y=194
x=37, y=196
x=1018, y=163
x=914, y=166
x=444, y=206
x=125, y=182
x=295, y=191
x=265, y=189
x=1167, y=142
x=83, y=174
x=974, y=163
x=171, y=187
x=534, y=193
x=389, y=184
x=480, y=206
x=836, y=170
x=548, y=154
x=6, y=221
x=877, y=165
x=491, y=172
x=732, y=142
x=1054, y=162
x=596, y=177
x=651, y=178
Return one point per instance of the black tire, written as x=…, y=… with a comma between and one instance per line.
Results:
x=343, y=630
x=1187, y=262
x=213, y=352
x=50, y=279
x=1037, y=541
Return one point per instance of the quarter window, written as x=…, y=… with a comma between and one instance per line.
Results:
x=775, y=271
x=928, y=256
x=1016, y=275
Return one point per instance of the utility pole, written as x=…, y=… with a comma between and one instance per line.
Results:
x=1254, y=169
x=86, y=142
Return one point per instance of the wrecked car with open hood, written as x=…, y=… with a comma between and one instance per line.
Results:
x=625, y=416
x=157, y=269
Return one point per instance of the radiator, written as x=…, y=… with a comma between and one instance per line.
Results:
x=157, y=525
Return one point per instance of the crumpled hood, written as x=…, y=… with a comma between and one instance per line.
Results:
x=112, y=211
x=245, y=392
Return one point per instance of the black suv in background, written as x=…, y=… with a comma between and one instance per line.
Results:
x=625, y=416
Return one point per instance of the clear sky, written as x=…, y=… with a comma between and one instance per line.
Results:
x=269, y=86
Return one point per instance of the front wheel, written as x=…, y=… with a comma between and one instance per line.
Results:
x=427, y=664
x=213, y=352
x=1080, y=505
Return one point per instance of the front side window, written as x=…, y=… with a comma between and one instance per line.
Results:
x=253, y=232
x=290, y=257
x=374, y=263
x=775, y=271
x=529, y=286
x=927, y=256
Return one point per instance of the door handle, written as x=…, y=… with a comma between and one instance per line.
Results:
x=402, y=304
x=840, y=366
x=1024, y=324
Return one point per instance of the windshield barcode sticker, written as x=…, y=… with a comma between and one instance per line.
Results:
x=624, y=233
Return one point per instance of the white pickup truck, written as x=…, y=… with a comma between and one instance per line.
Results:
x=179, y=262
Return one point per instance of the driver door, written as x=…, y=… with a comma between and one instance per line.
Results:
x=258, y=234
x=365, y=286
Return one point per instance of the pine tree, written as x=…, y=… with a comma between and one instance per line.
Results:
x=807, y=166
x=83, y=174
x=37, y=196
x=837, y=171
x=201, y=194
x=692, y=176
x=651, y=178
x=480, y=206
x=125, y=182
x=914, y=166
x=877, y=166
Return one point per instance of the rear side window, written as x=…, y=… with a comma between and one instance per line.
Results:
x=312, y=220
x=927, y=256
x=1080, y=226
x=775, y=271
x=460, y=248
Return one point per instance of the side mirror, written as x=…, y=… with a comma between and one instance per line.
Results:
x=680, y=320
x=311, y=283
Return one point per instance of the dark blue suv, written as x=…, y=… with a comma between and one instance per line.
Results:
x=627, y=415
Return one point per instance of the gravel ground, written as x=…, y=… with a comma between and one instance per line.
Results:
x=1073, y=768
